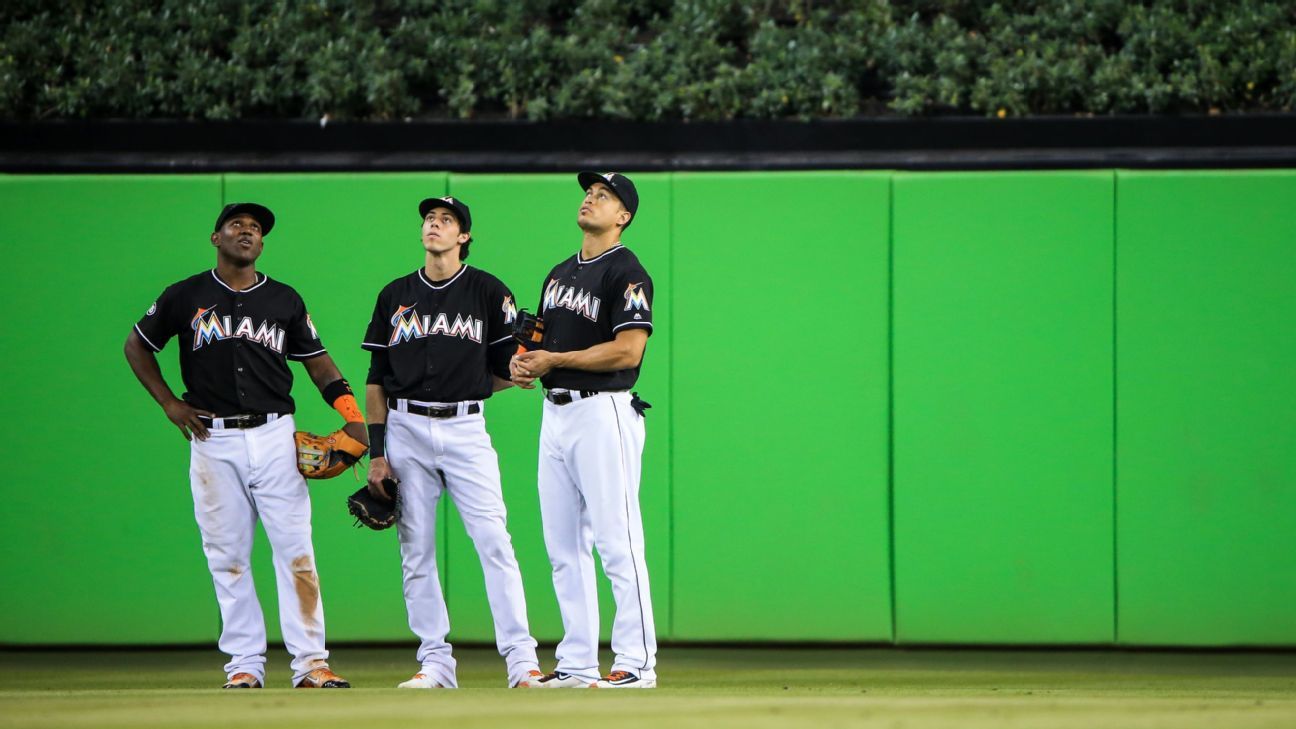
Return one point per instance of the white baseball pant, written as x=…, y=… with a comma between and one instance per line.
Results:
x=238, y=476
x=434, y=455
x=590, y=454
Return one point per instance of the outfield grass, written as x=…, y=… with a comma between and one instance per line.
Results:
x=709, y=688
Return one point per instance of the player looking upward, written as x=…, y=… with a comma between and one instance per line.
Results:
x=597, y=311
x=236, y=329
x=440, y=342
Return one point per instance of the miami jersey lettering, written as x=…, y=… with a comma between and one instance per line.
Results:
x=407, y=324
x=207, y=327
x=558, y=296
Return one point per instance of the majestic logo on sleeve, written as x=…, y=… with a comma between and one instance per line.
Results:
x=209, y=327
x=636, y=298
x=407, y=324
x=152, y=309
x=510, y=310
x=557, y=296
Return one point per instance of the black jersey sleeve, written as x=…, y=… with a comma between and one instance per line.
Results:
x=634, y=307
x=160, y=322
x=499, y=328
x=375, y=341
x=379, y=367
x=303, y=341
x=379, y=330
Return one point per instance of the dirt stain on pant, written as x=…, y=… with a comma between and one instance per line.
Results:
x=209, y=497
x=307, y=583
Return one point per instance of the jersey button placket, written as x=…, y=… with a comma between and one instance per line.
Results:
x=238, y=356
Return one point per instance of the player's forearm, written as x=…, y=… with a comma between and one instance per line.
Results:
x=376, y=414
x=144, y=364
x=499, y=383
x=618, y=354
x=322, y=370
x=375, y=404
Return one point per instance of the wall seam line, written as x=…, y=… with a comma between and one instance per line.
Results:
x=1115, y=419
x=891, y=533
x=670, y=409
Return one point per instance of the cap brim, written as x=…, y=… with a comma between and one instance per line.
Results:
x=587, y=179
x=259, y=213
x=432, y=203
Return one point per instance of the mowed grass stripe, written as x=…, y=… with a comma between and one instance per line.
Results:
x=700, y=688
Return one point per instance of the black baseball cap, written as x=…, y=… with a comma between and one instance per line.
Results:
x=621, y=186
x=259, y=213
x=455, y=205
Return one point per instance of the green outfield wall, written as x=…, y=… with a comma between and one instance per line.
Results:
x=993, y=408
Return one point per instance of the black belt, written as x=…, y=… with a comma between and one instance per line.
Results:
x=565, y=398
x=433, y=411
x=238, y=422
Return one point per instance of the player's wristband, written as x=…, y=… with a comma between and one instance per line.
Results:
x=335, y=389
x=377, y=436
x=338, y=394
x=350, y=410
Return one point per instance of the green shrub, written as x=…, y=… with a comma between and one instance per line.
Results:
x=641, y=59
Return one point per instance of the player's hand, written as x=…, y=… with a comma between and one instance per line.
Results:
x=379, y=470
x=185, y=417
x=535, y=363
x=357, y=431
x=515, y=374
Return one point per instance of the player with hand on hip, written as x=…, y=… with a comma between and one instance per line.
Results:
x=597, y=312
x=440, y=341
x=237, y=328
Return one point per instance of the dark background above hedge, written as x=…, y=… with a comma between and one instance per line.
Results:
x=1258, y=140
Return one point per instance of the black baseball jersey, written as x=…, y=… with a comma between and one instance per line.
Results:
x=234, y=345
x=585, y=303
x=440, y=341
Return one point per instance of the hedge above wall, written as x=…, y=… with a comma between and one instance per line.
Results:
x=645, y=60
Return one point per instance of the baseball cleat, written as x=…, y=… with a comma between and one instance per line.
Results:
x=419, y=681
x=531, y=680
x=624, y=679
x=322, y=678
x=558, y=679
x=242, y=680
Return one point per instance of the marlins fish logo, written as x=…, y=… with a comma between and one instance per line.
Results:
x=635, y=297
x=510, y=310
x=207, y=328
x=406, y=327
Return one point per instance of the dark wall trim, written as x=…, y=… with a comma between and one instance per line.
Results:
x=956, y=143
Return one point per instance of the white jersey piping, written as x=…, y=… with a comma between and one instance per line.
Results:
x=146, y=339
x=423, y=277
x=647, y=324
x=608, y=252
x=264, y=278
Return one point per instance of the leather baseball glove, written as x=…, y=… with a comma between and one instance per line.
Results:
x=373, y=511
x=325, y=456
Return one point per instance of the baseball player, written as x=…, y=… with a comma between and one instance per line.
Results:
x=236, y=329
x=440, y=341
x=597, y=311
